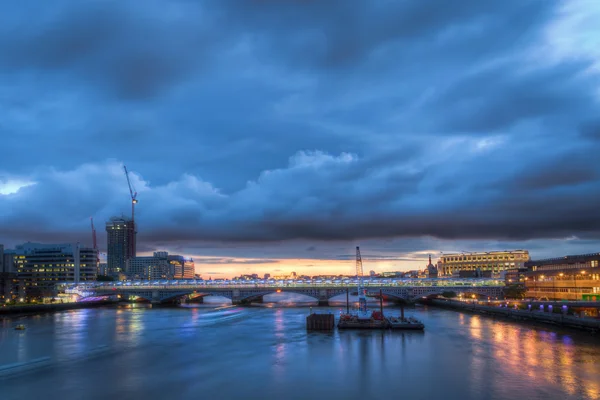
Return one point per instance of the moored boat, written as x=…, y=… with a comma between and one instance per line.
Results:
x=409, y=323
x=363, y=320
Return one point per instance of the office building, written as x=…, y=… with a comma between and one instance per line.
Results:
x=491, y=263
x=121, y=246
x=564, y=278
x=41, y=266
x=182, y=267
x=160, y=265
x=9, y=282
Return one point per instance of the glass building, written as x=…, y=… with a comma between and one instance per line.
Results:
x=41, y=266
x=160, y=265
x=121, y=244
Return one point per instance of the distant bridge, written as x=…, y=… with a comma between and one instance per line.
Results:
x=247, y=293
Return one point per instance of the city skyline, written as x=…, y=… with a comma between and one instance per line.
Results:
x=266, y=147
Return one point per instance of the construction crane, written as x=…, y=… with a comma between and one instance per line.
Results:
x=362, y=298
x=134, y=201
x=133, y=194
x=359, y=268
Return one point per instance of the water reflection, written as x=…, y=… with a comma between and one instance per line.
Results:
x=153, y=353
x=543, y=356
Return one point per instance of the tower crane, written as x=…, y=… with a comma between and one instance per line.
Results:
x=134, y=201
x=133, y=194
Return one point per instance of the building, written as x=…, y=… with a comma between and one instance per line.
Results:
x=149, y=267
x=564, y=278
x=494, y=261
x=432, y=270
x=182, y=267
x=9, y=282
x=412, y=274
x=103, y=269
x=41, y=266
x=160, y=265
x=515, y=276
x=391, y=274
x=121, y=245
x=478, y=273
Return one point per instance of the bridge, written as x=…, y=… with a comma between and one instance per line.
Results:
x=244, y=293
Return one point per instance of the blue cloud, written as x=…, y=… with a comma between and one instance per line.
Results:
x=249, y=122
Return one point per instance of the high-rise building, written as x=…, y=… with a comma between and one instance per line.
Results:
x=490, y=263
x=41, y=266
x=160, y=265
x=121, y=246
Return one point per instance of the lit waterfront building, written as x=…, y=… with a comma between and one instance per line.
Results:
x=182, y=267
x=121, y=245
x=564, y=278
x=489, y=263
x=9, y=282
x=160, y=265
x=515, y=276
x=41, y=266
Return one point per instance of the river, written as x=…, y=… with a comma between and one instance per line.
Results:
x=214, y=352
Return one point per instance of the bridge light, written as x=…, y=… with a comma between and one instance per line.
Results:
x=278, y=290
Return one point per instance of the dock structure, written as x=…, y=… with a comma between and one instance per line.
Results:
x=591, y=324
x=320, y=322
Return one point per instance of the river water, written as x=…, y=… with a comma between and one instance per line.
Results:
x=214, y=352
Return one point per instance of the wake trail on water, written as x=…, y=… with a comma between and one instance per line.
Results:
x=23, y=368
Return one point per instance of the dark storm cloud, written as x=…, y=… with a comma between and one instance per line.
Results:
x=575, y=169
x=269, y=121
x=107, y=44
x=497, y=98
x=335, y=34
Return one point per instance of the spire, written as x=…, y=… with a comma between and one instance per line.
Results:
x=429, y=259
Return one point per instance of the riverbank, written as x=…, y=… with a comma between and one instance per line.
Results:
x=14, y=311
x=588, y=324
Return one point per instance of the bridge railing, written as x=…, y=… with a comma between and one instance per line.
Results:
x=232, y=286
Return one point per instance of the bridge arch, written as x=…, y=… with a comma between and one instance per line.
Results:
x=250, y=297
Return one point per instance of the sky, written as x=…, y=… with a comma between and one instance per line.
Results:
x=277, y=135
